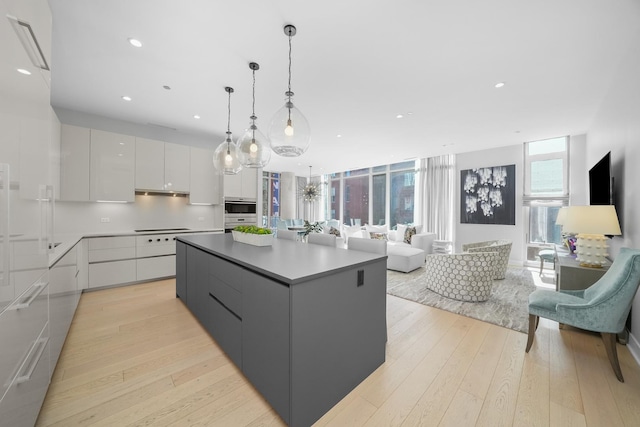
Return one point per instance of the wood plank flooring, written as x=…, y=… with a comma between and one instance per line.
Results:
x=135, y=356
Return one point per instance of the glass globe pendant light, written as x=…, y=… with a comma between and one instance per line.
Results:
x=289, y=131
x=253, y=147
x=225, y=158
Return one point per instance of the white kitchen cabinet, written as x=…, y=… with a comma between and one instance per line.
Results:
x=111, y=260
x=64, y=296
x=26, y=123
x=149, y=164
x=242, y=186
x=75, y=149
x=112, y=166
x=205, y=180
x=176, y=167
x=161, y=166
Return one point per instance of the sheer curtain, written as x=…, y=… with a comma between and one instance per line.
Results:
x=436, y=195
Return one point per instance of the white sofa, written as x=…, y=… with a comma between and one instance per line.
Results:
x=402, y=256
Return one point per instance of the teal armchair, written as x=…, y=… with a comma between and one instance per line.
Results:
x=603, y=307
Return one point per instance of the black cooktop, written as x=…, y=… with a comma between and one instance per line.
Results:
x=146, y=230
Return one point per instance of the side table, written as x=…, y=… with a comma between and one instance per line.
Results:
x=571, y=276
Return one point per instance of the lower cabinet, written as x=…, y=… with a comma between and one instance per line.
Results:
x=64, y=295
x=265, y=339
x=248, y=316
x=155, y=267
x=22, y=401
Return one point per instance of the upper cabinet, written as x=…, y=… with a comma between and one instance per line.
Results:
x=112, y=167
x=242, y=186
x=75, y=154
x=206, y=181
x=161, y=166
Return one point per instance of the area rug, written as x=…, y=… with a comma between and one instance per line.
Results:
x=507, y=306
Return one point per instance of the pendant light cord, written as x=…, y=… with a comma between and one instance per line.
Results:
x=253, y=108
x=289, y=92
x=229, y=122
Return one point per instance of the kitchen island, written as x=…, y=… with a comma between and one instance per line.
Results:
x=305, y=323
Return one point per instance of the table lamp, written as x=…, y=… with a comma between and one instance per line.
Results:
x=591, y=223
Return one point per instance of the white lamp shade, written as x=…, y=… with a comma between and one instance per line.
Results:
x=289, y=132
x=253, y=148
x=597, y=219
x=225, y=158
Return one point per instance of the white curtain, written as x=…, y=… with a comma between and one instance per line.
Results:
x=436, y=195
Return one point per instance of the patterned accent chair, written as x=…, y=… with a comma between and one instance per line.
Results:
x=464, y=277
x=503, y=247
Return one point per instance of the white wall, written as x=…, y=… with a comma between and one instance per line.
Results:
x=578, y=185
x=467, y=233
x=616, y=128
x=146, y=212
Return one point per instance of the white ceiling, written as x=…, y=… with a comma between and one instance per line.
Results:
x=356, y=66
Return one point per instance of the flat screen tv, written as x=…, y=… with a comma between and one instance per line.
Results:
x=601, y=182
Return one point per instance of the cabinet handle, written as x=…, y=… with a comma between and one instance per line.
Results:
x=158, y=240
x=150, y=240
x=166, y=239
x=30, y=365
x=174, y=238
x=27, y=300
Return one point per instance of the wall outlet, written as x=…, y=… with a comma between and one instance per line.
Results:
x=105, y=219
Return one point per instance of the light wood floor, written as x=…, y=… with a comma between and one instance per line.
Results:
x=136, y=356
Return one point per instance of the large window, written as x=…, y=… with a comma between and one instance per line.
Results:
x=376, y=196
x=546, y=191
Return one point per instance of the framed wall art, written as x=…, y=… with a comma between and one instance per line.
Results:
x=488, y=195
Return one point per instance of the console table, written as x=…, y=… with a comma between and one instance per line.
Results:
x=304, y=323
x=570, y=275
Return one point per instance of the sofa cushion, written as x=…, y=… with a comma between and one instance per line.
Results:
x=379, y=236
x=409, y=232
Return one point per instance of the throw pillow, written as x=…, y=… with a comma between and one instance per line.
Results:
x=401, y=229
x=376, y=228
x=379, y=236
x=410, y=232
x=334, y=231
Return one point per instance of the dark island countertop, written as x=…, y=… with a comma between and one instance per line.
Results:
x=286, y=261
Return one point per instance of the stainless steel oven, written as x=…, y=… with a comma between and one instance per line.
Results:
x=239, y=212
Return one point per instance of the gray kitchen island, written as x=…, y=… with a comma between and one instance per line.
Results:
x=305, y=323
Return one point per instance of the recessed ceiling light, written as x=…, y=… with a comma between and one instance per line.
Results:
x=410, y=113
x=196, y=116
x=499, y=84
x=135, y=42
x=126, y=98
x=399, y=116
x=338, y=136
x=23, y=71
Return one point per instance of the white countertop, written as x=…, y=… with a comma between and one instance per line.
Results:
x=68, y=241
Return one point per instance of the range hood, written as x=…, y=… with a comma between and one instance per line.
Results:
x=161, y=193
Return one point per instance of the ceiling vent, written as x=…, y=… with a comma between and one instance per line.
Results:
x=29, y=42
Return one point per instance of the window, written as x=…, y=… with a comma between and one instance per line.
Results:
x=335, y=199
x=379, y=199
x=356, y=199
x=402, y=196
x=378, y=195
x=546, y=181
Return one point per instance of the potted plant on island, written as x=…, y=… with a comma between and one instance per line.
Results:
x=252, y=235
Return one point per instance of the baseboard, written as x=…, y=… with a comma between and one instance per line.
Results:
x=634, y=347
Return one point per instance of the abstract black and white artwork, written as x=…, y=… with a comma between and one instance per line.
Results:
x=488, y=195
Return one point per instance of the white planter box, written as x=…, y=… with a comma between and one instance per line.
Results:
x=253, y=239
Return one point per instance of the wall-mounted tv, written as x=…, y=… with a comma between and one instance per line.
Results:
x=601, y=182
